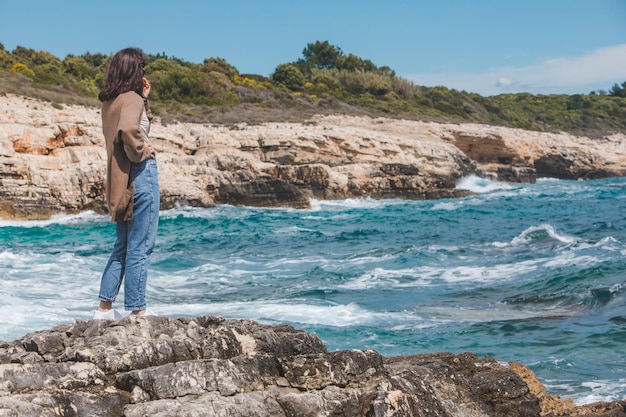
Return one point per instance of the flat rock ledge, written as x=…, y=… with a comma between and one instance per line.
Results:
x=211, y=366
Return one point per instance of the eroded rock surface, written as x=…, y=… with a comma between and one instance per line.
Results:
x=53, y=160
x=209, y=366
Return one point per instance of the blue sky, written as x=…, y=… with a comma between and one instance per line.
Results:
x=483, y=46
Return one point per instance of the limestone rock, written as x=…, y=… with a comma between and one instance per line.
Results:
x=53, y=160
x=209, y=366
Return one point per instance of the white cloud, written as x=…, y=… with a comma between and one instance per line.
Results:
x=506, y=82
x=599, y=69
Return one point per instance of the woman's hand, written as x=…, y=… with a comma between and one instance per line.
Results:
x=146, y=87
x=152, y=151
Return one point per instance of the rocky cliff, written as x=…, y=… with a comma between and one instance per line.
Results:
x=209, y=366
x=52, y=159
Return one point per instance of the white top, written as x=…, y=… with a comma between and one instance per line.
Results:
x=145, y=126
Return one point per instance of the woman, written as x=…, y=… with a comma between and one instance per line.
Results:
x=132, y=188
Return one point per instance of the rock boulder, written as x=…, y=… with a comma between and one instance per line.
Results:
x=210, y=366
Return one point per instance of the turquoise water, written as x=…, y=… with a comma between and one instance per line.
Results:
x=532, y=273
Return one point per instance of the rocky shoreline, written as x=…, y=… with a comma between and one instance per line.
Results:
x=210, y=366
x=53, y=162
x=52, y=159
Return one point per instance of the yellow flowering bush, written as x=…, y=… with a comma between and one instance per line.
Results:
x=22, y=69
x=251, y=82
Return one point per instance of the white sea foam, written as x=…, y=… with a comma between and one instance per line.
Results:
x=208, y=271
x=352, y=203
x=448, y=205
x=610, y=243
x=384, y=278
x=367, y=259
x=548, y=179
x=222, y=210
x=581, y=261
x=335, y=315
x=481, y=185
x=540, y=232
x=20, y=317
x=9, y=256
x=17, y=316
x=334, y=217
x=83, y=218
x=429, y=275
x=293, y=230
x=601, y=390
x=37, y=300
x=493, y=273
x=617, y=288
x=597, y=390
x=306, y=260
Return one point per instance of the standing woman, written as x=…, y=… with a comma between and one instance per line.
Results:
x=132, y=187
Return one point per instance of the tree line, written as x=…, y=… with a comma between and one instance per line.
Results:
x=323, y=79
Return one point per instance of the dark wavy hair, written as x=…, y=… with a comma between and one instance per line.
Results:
x=124, y=73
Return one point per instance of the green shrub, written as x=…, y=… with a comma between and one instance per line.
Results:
x=377, y=85
x=78, y=67
x=6, y=60
x=25, y=53
x=405, y=88
x=219, y=65
x=326, y=78
x=289, y=75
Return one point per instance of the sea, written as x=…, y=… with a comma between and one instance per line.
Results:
x=531, y=273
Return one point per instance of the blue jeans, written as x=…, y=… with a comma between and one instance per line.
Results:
x=130, y=259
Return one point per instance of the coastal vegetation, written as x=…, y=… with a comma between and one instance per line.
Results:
x=323, y=80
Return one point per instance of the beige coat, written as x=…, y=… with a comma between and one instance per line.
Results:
x=121, y=118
